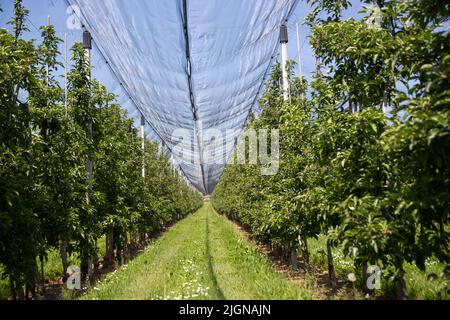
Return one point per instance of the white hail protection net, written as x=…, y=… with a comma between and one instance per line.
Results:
x=194, y=69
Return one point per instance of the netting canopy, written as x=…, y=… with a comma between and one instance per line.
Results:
x=194, y=69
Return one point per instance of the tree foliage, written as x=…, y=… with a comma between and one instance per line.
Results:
x=365, y=158
x=45, y=197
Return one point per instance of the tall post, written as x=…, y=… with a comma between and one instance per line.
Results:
x=49, y=22
x=284, y=58
x=65, y=73
x=87, y=45
x=143, y=144
x=299, y=58
x=171, y=164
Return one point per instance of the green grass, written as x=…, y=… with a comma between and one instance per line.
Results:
x=205, y=257
x=419, y=285
x=201, y=257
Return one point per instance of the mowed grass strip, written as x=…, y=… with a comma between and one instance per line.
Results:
x=241, y=271
x=202, y=257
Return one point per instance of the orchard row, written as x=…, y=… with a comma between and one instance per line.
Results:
x=50, y=199
x=365, y=152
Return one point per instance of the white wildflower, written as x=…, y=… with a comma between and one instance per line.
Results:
x=352, y=277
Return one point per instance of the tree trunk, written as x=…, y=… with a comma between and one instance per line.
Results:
x=30, y=282
x=125, y=252
x=294, y=259
x=12, y=288
x=287, y=253
x=119, y=255
x=365, y=277
x=64, y=260
x=305, y=251
x=109, y=252
x=400, y=280
x=401, y=289
x=42, y=277
x=27, y=291
x=96, y=260
x=105, y=258
x=84, y=268
x=331, y=272
x=318, y=67
x=136, y=237
x=278, y=251
x=33, y=280
x=86, y=265
x=142, y=240
x=19, y=291
x=90, y=269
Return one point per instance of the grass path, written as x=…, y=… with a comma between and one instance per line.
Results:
x=201, y=257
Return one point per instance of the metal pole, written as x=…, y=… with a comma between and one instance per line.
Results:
x=299, y=59
x=143, y=144
x=284, y=58
x=65, y=73
x=47, y=68
x=172, y=166
x=44, y=130
x=87, y=45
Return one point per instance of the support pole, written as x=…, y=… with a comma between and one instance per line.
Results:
x=143, y=145
x=284, y=58
x=172, y=164
x=49, y=21
x=65, y=73
x=299, y=58
x=87, y=45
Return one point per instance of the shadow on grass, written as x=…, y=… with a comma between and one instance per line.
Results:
x=218, y=292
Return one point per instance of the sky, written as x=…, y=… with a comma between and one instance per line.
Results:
x=60, y=14
x=63, y=18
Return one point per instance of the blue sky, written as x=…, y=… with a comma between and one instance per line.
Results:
x=59, y=14
x=41, y=9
